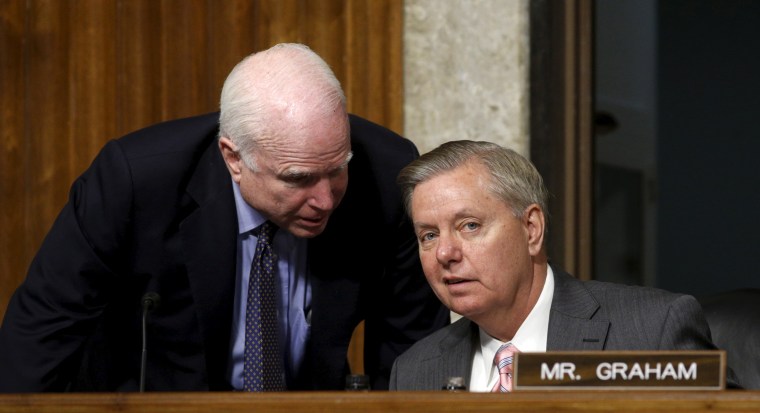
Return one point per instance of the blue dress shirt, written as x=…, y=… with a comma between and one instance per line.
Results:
x=294, y=292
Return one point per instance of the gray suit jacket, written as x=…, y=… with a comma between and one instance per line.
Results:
x=588, y=315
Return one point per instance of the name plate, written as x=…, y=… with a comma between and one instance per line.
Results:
x=621, y=370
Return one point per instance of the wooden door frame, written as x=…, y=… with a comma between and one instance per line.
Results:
x=561, y=116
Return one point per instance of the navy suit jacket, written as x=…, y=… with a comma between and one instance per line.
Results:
x=155, y=212
x=587, y=315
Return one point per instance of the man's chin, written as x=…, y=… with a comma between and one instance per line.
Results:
x=307, y=229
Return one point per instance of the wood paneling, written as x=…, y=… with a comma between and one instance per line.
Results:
x=74, y=74
x=13, y=147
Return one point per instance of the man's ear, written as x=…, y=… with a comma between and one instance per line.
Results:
x=231, y=158
x=535, y=224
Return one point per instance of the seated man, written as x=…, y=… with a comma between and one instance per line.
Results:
x=479, y=215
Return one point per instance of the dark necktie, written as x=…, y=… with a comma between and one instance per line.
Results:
x=263, y=365
x=503, y=362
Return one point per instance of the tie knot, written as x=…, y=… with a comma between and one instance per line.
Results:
x=503, y=362
x=265, y=232
x=504, y=355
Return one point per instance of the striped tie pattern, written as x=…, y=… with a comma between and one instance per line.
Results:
x=503, y=362
x=263, y=365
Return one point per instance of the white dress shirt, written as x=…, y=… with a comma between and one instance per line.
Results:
x=530, y=337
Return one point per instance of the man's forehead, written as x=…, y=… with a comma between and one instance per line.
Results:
x=292, y=163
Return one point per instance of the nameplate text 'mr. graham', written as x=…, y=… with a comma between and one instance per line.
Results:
x=620, y=370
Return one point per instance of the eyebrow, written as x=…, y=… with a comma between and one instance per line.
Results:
x=296, y=173
x=348, y=159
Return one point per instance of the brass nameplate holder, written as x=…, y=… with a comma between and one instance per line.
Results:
x=621, y=370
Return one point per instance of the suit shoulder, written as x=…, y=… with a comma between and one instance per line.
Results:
x=379, y=143
x=634, y=291
x=154, y=156
x=179, y=135
x=585, y=298
x=646, y=303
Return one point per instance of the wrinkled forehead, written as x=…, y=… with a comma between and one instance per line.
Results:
x=470, y=174
x=322, y=147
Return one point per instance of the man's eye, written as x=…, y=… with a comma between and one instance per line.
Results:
x=428, y=236
x=471, y=226
x=335, y=173
x=297, y=180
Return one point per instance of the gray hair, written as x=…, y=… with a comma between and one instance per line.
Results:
x=514, y=179
x=289, y=69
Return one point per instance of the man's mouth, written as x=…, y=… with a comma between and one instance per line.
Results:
x=315, y=220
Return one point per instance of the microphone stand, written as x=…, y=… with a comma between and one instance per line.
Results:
x=149, y=303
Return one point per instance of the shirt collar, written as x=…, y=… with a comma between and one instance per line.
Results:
x=248, y=218
x=533, y=332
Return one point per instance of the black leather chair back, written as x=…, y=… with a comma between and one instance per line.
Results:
x=734, y=319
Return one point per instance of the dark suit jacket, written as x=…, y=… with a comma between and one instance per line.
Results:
x=155, y=212
x=584, y=316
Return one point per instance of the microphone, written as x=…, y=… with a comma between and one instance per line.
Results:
x=150, y=302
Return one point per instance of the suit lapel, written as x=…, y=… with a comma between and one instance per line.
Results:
x=456, y=351
x=209, y=236
x=572, y=323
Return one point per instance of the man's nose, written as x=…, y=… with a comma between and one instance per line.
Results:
x=322, y=195
x=449, y=250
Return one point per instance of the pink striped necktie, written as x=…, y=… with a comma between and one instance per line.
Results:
x=503, y=361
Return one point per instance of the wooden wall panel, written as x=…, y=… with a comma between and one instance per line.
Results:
x=375, y=59
x=13, y=257
x=91, y=84
x=46, y=118
x=138, y=60
x=74, y=74
x=232, y=36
